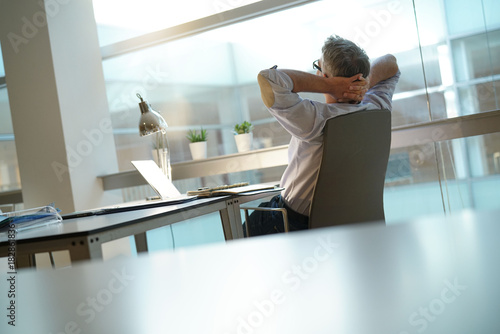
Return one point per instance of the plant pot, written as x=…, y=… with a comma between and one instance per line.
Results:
x=244, y=141
x=198, y=150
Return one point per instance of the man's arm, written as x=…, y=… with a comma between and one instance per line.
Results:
x=344, y=88
x=382, y=68
x=338, y=87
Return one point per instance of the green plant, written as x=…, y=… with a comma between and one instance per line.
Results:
x=194, y=136
x=244, y=127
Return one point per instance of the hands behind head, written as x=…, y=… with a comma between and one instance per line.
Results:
x=349, y=90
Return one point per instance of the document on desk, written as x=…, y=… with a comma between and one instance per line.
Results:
x=29, y=218
x=230, y=190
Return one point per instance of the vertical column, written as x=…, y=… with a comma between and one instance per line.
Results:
x=58, y=102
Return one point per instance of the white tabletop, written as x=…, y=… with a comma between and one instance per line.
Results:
x=429, y=276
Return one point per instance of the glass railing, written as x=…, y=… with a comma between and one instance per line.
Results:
x=443, y=177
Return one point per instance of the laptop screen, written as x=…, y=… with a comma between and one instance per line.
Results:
x=156, y=179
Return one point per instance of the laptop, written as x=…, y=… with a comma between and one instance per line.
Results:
x=164, y=188
x=156, y=179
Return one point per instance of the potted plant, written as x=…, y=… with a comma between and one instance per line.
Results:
x=243, y=136
x=198, y=143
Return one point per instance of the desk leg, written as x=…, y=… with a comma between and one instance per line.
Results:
x=52, y=262
x=79, y=254
x=141, y=242
x=237, y=224
x=225, y=216
x=85, y=249
x=25, y=260
x=231, y=220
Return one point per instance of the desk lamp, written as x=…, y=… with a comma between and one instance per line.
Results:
x=152, y=122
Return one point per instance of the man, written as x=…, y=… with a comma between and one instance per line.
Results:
x=349, y=84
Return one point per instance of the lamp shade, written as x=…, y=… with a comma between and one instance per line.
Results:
x=150, y=121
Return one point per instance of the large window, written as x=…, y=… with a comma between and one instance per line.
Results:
x=447, y=51
x=209, y=80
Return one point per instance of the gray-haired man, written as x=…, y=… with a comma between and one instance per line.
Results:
x=349, y=83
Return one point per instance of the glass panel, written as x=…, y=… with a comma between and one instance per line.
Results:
x=188, y=233
x=469, y=170
x=475, y=56
x=477, y=69
x=138, y=18
x=471, y=173
x=412, y=186
x=9, y=173
x=2, y=69
x=477, y=98
x=491, y=8
x=492, y=153
x=410, y=100
x=197, y=231
x=453, y=63
x=470, y=16
x=6, y=129
x=435, y=64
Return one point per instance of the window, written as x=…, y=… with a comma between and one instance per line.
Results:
x=118, y=20
x=2, y=69
x=9, y=172
x=447, y=51
x=209, y=79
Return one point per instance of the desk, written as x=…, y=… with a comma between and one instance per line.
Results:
x=429, y=276
x=83, y=237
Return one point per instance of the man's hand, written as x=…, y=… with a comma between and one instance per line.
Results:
x=337, y=89
x=349, y=90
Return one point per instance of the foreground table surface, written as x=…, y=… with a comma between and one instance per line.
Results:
x=430, y=276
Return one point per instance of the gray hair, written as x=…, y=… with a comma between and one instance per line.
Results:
x=343, y=58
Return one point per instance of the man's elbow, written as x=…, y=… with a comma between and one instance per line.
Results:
x=266, y=91
x=392, y=64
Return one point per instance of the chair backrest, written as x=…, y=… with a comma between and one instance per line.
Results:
x=350, y=183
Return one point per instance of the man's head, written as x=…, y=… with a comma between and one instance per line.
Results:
x=343, y=58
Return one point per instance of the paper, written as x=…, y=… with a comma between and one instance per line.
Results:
x=232, y=190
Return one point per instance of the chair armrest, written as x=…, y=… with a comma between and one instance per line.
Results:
x=283, y=212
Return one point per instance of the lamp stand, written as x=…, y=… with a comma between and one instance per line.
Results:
x=163, y=154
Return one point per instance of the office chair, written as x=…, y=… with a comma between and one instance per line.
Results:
x=350, y=183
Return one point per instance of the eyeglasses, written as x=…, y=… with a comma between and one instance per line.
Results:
x=316, y=65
